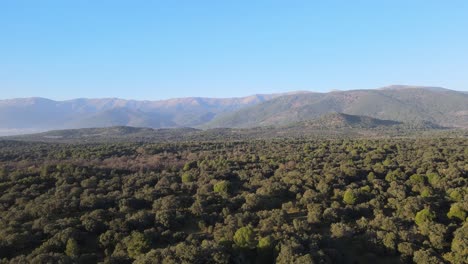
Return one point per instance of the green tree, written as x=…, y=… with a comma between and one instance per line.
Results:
x=305, y=259
x=108, y=240
x=72, y=249
x=455, y=195
x=222, y=187
x=137, y=244
x=433, y=178
x=349, y=197
x=459, y=246
x=265, y=250
x=245, y=237
x=426, y=257
x=457, y=212
x=190, y=165
x=416, y=179
x=371, y=176
x=187, y=177
x=406, y=249
x=339, y=230
x=348, y=169
x=265, y=242
x=424, y=216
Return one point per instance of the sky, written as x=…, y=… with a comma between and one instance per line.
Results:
x=163, y=49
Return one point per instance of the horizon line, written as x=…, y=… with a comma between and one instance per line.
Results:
x=393, y=86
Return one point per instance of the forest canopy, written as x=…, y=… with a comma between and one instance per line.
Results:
x=254, y=201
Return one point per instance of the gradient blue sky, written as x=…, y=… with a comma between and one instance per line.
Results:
x=162, y=49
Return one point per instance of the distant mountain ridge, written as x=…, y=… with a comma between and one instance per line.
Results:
x=408, y=104
x=412, y=104
x=41, y=114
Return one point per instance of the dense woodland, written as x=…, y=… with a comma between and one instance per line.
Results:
x=255, y=201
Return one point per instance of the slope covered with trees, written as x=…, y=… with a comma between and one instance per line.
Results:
x=333, y=125
x=260, y=201
x=398, y=103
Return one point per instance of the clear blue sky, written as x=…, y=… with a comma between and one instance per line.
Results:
x=162, y=49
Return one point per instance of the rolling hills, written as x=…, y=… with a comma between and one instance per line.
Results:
x=399, y=103
x=332, y=125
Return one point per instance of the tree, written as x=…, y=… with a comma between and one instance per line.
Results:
x=108, y=240
x=187, y=177
x=305, y=259
x=416, y=179
x=456, y=211
x=72, y=249
x=137, y=244
x=265, y=250
x=426, y=257
x=459, y=246
x=424, y=216
x=291, y=251
x=433, y=178
x=245, y=237
x=339, y=230
x=222, y=187
x=348, y=169
x=371, y=176
x=349, y=197
x=265, y=242
x=456, y=196
x=314, y=216
x=406, y=248
x=167, y=218
x=190, y=165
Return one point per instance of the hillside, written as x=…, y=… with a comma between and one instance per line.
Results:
x=399, y=103
x=123, y=116
x=340, y=120
x=332, y=125
x=109, y=134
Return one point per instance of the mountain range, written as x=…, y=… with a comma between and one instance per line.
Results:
x=432, y=106
x=398, y=103
x=22, y=115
